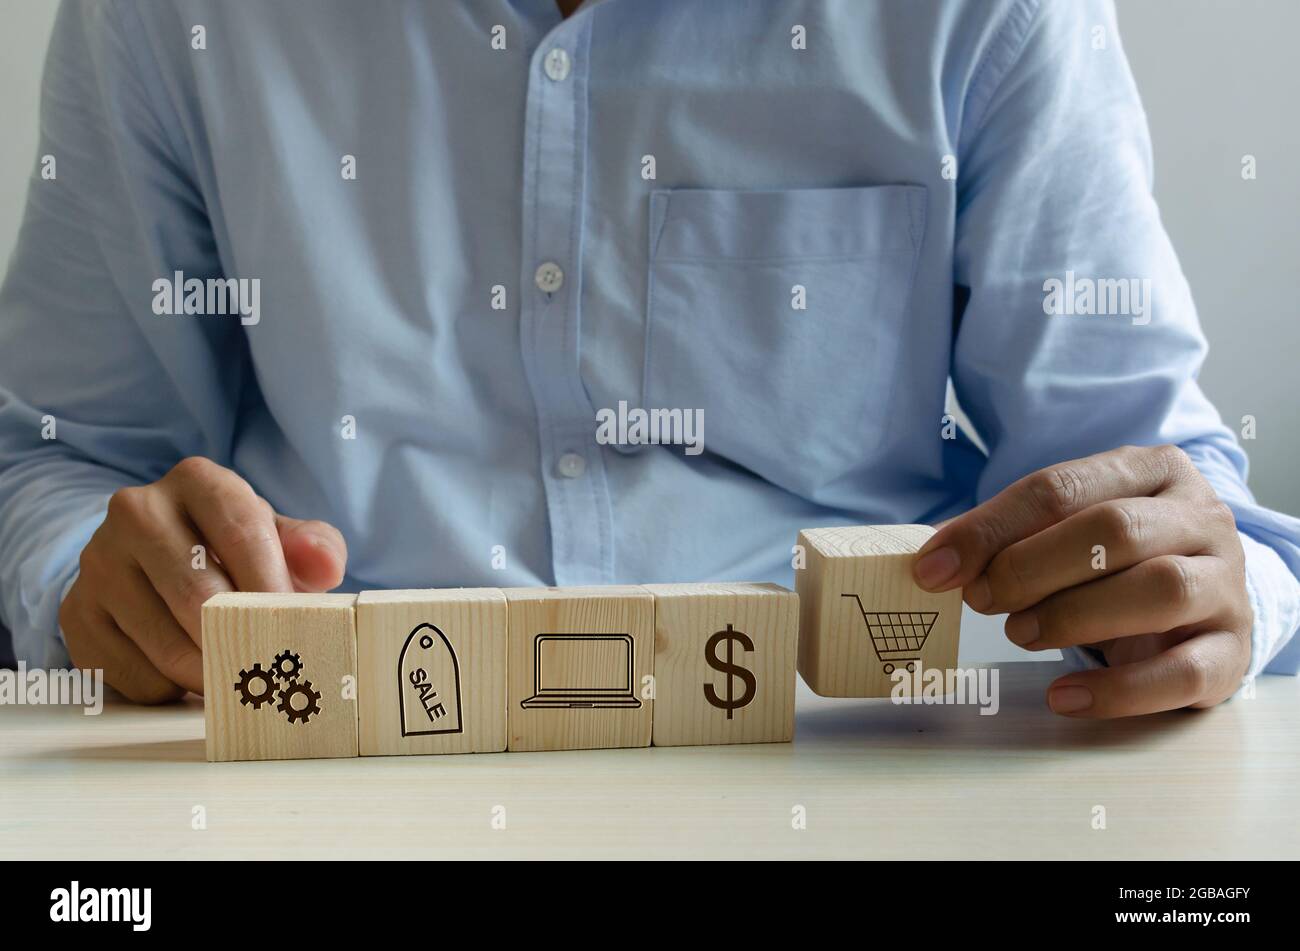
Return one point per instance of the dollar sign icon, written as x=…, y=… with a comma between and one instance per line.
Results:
x=731, y=669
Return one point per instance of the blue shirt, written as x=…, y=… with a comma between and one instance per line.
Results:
x=802, y=218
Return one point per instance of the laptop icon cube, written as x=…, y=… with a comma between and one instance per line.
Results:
x=582, y=670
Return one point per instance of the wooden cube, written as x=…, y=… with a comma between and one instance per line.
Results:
x=580, y=663
x=724, y=663
x=278, y=671
x=861, y=617
x=431, y=671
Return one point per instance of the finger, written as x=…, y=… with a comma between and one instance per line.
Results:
x=235, y=522
x=1101, y=540
x=315, y=553
x=94, y=642
x=144, y=617
x=1158, y=595
x=960, y=551
x=1200, y=671
x=165, y=545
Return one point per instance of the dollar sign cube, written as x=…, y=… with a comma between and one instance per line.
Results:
x=863, y=622
x=724, y=663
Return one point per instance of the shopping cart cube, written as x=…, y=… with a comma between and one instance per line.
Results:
x=861, y=617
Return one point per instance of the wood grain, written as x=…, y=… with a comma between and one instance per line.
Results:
x=460, y=709
x=241, y=630
x=583, y=638
x=687, y=618
x=877, y=781
x=837, y=654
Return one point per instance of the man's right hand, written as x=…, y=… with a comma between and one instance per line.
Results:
x=134, y=611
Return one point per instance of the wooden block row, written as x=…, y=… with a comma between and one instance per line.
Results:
x=485, y=670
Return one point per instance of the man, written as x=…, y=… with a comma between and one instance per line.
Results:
x=458, y=234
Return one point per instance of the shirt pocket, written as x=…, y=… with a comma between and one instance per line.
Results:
x=798, y=396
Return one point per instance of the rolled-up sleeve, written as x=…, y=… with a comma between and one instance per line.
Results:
x=97, y=392
x=1055, y=204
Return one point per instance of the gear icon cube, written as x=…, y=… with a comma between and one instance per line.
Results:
x=275, y=668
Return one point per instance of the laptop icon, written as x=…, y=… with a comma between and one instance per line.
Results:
x=582, y=670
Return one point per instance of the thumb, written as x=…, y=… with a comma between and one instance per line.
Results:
x=314, y=551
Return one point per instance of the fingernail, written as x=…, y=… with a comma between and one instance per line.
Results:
x=1069, y=699
x=978, y=595
x=314, y=538
x=317, y=539
x=1022, y=628
x=937, y=567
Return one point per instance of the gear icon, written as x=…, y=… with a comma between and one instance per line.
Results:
x=287, y=666
x=259, y=677
x=299, y=714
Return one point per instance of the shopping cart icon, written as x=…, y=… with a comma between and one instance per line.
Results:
x=897, y=636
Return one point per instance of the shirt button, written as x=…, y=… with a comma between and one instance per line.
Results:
x=571, y=465
x=549, y=277
x=556, y=65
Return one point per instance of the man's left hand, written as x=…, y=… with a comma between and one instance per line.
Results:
x=1129, y=551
